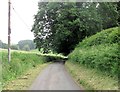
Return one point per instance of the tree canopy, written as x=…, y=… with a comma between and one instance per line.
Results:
x=26, y=45
x=61, y=25
x=3, y=45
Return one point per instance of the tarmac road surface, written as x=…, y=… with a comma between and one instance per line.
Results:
x=54, y=77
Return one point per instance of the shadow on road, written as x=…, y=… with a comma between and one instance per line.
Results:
x=59, y=61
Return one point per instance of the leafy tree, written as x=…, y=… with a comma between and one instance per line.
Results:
x=3, y=45
x=14, y=47
x=60, y=26
x=109, y=14
x=23, y=43
x=26, y=48
x=118, y=9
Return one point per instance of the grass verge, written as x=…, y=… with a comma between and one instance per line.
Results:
x=14, y=76
x=20, y=63
x=0, y=76
x=24, y=81
x=91, y=79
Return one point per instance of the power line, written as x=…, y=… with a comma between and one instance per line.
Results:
x=20, y=17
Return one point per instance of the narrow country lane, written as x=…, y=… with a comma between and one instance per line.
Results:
x=54, y=77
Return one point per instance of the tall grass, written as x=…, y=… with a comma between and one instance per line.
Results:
x=0, y=71
x=100, y=51
x=20, y=62
x=91, y=79
x=0, y=76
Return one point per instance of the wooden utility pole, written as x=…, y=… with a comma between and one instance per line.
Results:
x=9, y=29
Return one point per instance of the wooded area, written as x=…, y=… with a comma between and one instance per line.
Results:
x=22, y=45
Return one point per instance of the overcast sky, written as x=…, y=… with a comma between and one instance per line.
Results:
x=19, y=31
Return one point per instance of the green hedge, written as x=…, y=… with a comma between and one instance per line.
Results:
x=99, y=51
x=108, y=36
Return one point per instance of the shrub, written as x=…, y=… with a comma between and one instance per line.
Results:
x=108, y=36
x=99, y=51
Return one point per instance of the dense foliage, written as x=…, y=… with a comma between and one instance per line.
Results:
x=61, y=25
x=26, y=45
x=108, y=36
x=3, y=45
x=99, y=51
x=22, y=45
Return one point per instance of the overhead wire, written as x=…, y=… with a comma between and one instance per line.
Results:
x=20, y=17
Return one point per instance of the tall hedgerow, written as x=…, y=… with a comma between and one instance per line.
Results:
x=100, y=51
